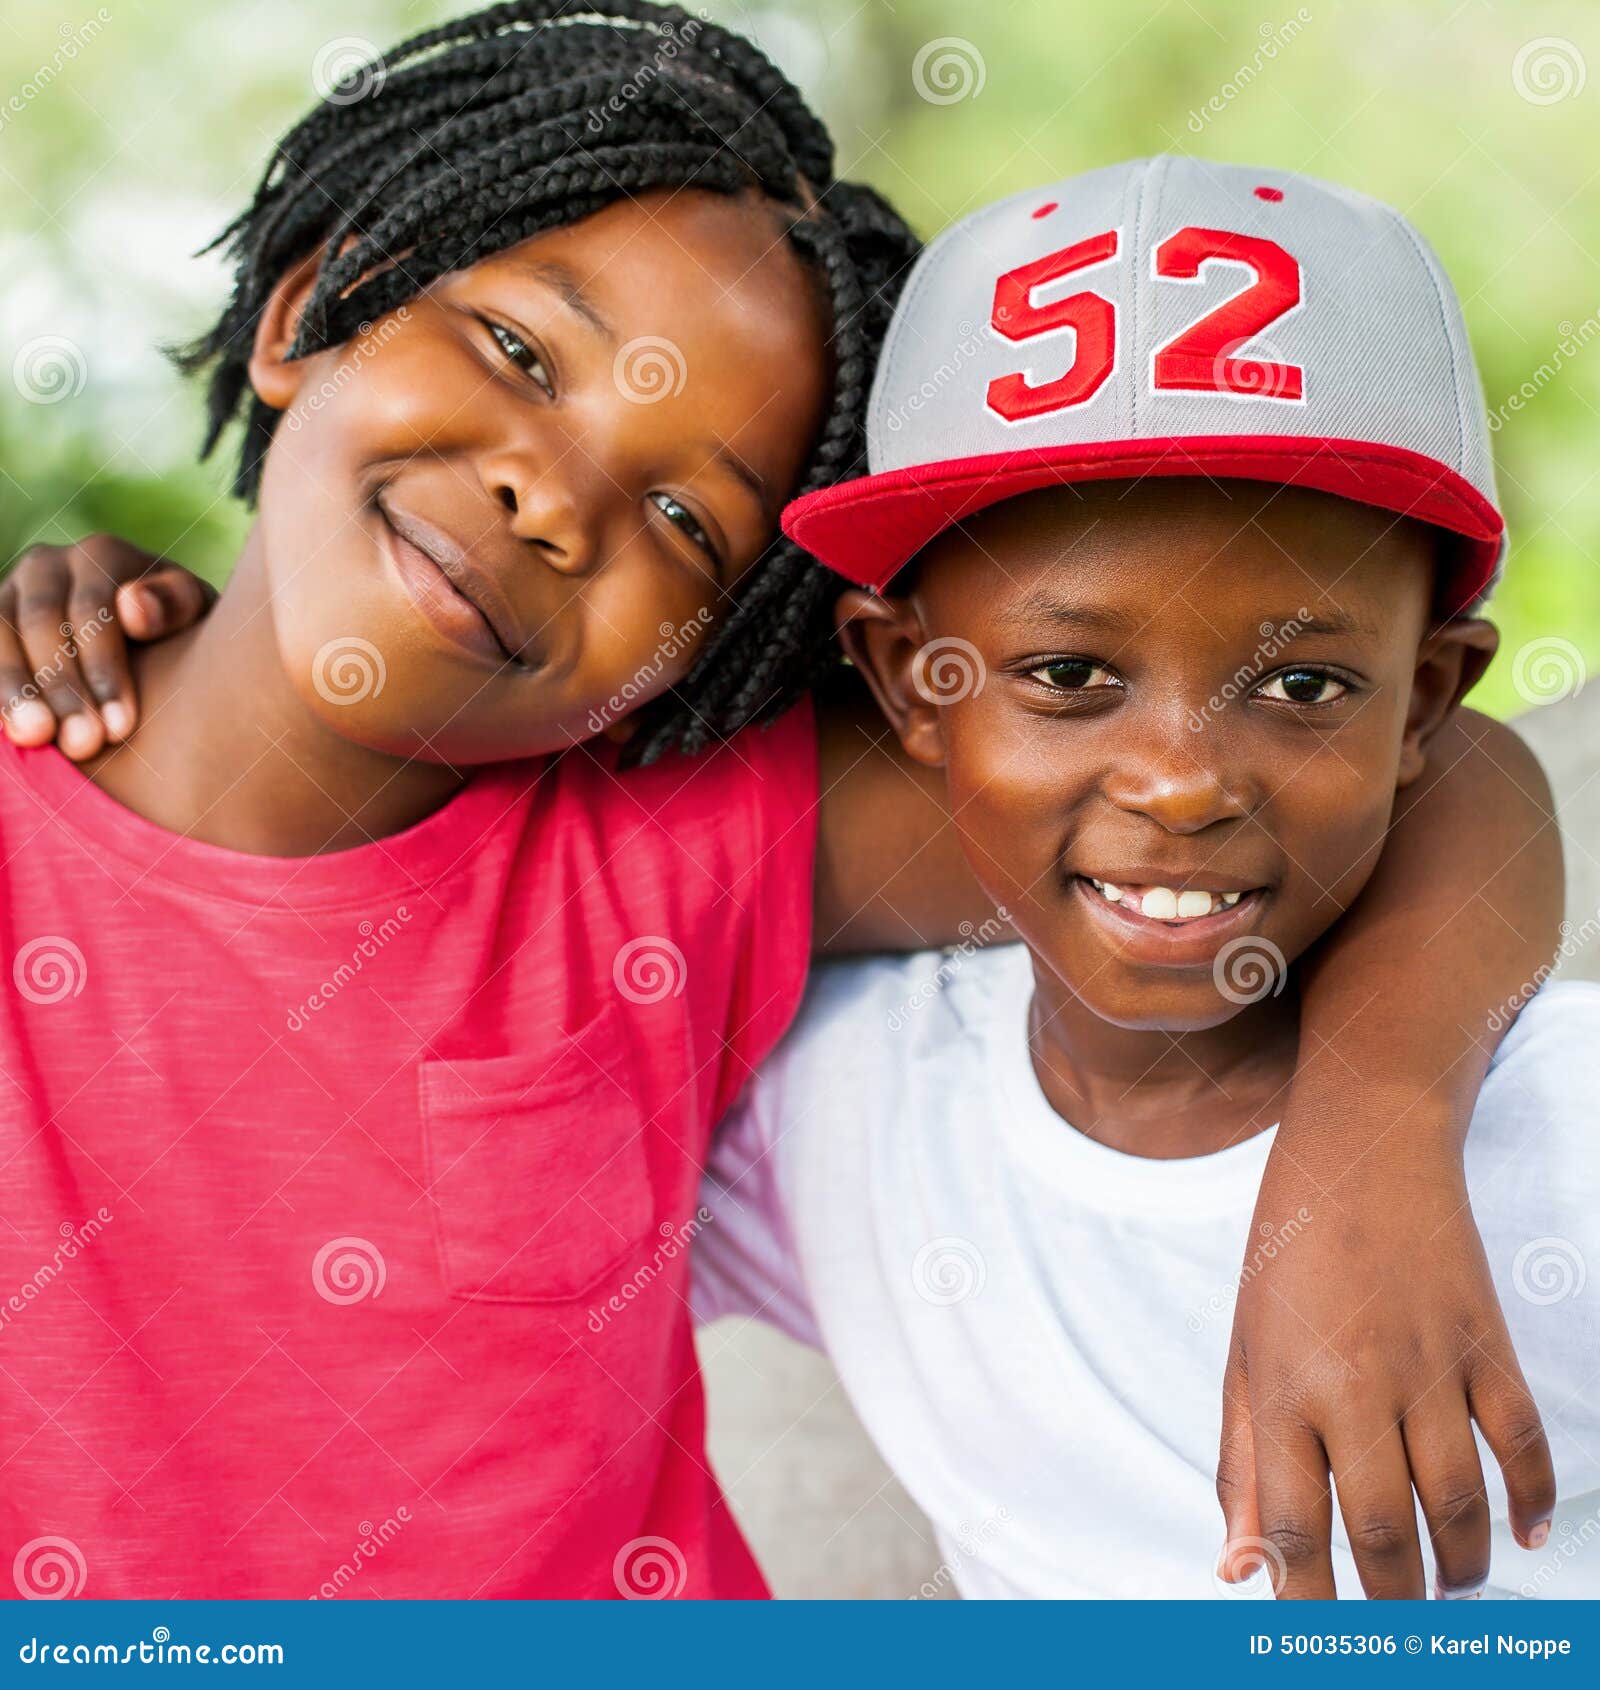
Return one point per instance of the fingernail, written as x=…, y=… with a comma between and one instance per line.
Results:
x=144, y=601
x=30, y=719
x=1539, y=1536
x=78, y=736
x=118, y=719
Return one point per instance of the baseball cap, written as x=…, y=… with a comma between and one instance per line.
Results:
x=1170, y=316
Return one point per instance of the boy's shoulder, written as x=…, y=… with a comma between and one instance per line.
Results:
x=1545, y=1077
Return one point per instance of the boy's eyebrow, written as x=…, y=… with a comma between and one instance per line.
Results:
x=1041, y=603
x=559, y=279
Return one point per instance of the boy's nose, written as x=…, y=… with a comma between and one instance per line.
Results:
x=1176, y=787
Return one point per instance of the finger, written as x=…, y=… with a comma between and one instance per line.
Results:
x=1373, y=1477
x=28, y=719
x=1296, y=1506
x=1236, y=1471
x=53, y=663
x=1449, y=1480
x=165, y=601
x=1513, y=1428
x=103, y=655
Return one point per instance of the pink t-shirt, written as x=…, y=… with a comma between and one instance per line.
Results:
x=345, y=1201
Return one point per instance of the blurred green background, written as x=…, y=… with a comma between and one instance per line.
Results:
x=130, y=133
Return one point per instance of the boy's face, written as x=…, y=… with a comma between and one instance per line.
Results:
x=506, y=517
x=1201, y=696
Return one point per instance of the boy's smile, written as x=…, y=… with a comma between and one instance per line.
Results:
x=1193, y=704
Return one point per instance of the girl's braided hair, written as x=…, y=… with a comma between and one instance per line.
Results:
x=469, y=138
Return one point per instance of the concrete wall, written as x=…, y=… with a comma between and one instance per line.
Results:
x=821, y=1510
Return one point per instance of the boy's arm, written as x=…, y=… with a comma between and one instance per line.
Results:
x=1369, y=1336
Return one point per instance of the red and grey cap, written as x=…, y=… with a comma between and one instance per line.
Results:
x=1170, y=317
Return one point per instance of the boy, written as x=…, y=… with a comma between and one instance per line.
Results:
x=1204, y=626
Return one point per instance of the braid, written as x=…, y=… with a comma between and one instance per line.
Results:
x=471, y=137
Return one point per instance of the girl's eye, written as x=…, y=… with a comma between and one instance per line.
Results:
x=680, y=514
x=523, y=356
x=1073, y=674
x=1304, y=686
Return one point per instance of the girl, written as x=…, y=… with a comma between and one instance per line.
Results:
x=399, y=964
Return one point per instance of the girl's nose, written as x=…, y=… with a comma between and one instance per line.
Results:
x=547, y=509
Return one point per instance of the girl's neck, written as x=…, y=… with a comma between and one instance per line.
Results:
x=227, y=751
x=1158, y=1094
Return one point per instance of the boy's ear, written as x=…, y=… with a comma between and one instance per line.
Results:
x=276, y=382
x=884, y=639
x=1449, y=664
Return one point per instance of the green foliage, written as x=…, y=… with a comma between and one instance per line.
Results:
x=161, y=118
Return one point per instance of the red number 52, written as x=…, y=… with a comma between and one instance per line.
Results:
x=1200, y=359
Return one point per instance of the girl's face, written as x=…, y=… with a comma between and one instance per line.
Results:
x=505, y=517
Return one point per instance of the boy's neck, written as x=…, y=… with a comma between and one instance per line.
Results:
x=227, y=752
x=1152, y=1093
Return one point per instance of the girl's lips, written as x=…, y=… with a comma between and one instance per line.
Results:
x=1174, y=943
x=450, y=612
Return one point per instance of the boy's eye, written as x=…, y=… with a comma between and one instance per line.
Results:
x=680, y=514
x=1073, y=674
x=1304, y=686
x=523, y=356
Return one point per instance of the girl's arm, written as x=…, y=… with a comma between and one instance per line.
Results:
x=1371, y=1336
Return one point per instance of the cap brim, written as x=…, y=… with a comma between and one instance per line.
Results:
x=867, y=530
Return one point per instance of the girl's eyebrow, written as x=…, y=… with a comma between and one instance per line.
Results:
x=556, y=277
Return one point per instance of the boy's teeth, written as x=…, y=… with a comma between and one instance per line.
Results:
x=1164, y=903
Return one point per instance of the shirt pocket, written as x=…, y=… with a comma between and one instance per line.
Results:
x=536, y=1166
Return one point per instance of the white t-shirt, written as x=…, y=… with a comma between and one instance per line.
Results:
x=1033, y=1327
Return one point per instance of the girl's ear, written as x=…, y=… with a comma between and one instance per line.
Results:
x=276, y=382
x=884, y=639
x=1449, y=664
